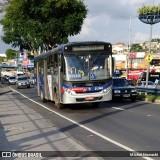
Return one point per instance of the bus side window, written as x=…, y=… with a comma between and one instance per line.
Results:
x=62, y=65
x=48, y=65
x=55, y=64
x=40, y=67
x=52, y=64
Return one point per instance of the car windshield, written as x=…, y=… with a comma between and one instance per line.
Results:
x=12, y=77
x=22, y=78
x=120, y=82
x=86, y=67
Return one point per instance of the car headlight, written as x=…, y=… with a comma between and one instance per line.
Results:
x=117, y=91
x=134, y=90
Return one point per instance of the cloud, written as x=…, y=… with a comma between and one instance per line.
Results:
x=108, y=20
x=140, y=37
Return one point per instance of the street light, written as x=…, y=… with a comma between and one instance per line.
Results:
x=149, y=18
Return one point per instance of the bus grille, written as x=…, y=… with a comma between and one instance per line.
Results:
x=83, y=99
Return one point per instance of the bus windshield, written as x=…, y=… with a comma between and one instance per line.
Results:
x=87, y=67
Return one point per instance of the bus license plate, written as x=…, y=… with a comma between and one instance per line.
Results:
x=126, y=95
x=89, y=98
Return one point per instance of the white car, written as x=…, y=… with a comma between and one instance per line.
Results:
x=23, y=81
x=150, y=84
x=32, y=80
x=12, y=80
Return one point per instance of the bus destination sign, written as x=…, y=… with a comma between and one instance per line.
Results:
x=88, y=48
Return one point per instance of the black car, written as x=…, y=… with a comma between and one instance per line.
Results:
x=123, y=90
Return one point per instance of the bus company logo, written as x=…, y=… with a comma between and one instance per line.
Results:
x=6, y=154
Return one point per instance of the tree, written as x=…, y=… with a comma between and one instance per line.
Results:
x=136, y=48
x=156, y=40
x=35, y=24
x=11, y=54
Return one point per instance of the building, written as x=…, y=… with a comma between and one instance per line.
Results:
x=3, y=55
x=119, y=48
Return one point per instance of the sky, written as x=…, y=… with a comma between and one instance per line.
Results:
x=116, y=21
x=112, y=21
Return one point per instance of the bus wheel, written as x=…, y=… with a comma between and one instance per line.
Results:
x=57, y=102
x=42, y=97
x=133, y=99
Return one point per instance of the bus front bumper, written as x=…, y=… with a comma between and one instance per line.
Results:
x=86, y=97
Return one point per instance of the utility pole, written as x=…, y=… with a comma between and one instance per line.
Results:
x=129, y=46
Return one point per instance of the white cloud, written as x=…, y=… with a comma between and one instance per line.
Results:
x=140, y=37
x=108, y=20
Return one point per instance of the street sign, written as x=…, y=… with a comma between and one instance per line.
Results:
x=149, y=58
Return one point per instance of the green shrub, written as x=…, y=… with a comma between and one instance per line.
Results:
x=141, y=96
x=149, y=10
x=149, y=97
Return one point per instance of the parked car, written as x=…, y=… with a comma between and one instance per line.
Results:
x=23, y=81
x=123, y=90
x=130, y=82
x=12, y=80
x=32, y=80
x=143, y=84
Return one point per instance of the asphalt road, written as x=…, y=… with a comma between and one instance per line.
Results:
x=113, y=126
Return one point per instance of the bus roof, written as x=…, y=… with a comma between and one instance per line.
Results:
x=60, y=49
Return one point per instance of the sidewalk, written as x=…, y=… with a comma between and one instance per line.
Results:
x=23, y=129
x=4, y=89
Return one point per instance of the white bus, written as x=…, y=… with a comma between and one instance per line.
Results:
x=77, y=72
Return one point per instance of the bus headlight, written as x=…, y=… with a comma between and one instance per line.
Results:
x=105, y=91
x=134, y=90
x=117, y=91
x=70, y=92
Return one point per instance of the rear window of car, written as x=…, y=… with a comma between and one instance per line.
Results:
x=22, y=78
x=12, y=77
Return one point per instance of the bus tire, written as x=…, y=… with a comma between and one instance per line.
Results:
x=42, y=97
x=57, y=102
x=133, y=99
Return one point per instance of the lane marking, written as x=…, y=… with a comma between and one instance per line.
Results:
x=121, y=109
x=84, y=127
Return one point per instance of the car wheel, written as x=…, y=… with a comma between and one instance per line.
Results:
x=133, y=99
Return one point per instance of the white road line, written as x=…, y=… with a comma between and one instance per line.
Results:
x=84, y=127
x=118, y=108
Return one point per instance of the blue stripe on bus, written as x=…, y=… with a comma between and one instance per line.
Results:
x=91, y=88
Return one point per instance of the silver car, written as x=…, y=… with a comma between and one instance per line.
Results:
x=23, y=82
x=12, y=80
x=143, y=84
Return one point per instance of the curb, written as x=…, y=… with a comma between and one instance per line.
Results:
x=4, y=90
